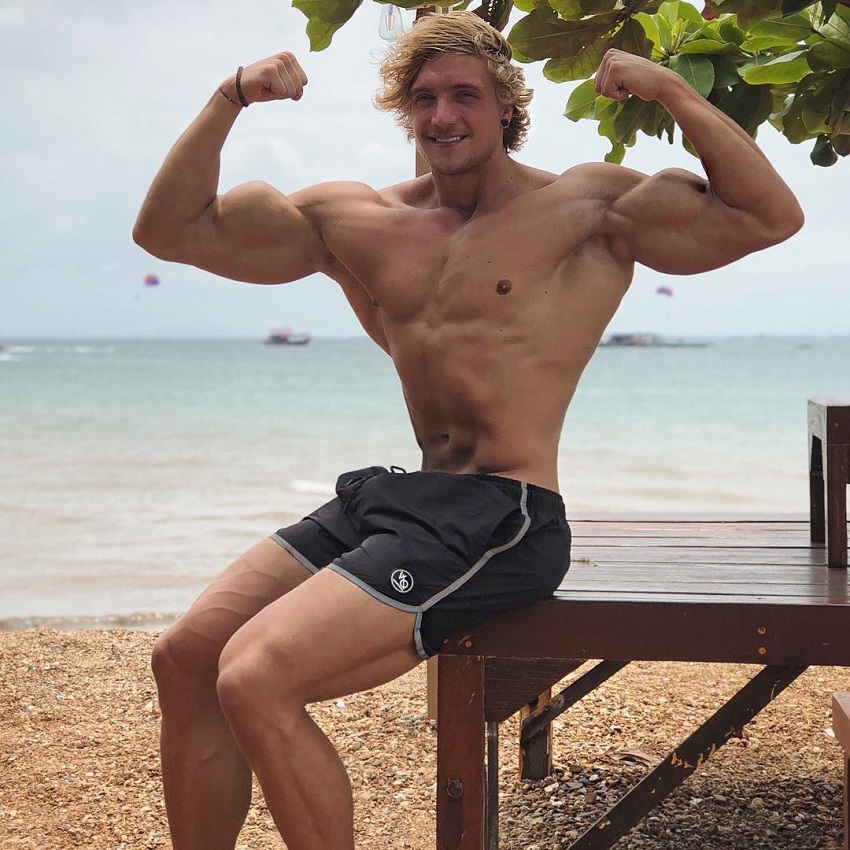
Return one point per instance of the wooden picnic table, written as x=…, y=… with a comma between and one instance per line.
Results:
x=719, y=590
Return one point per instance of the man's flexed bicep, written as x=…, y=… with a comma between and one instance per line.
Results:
x=255, y=233
x=673, y=222
x=252, y=232
x=677, y=221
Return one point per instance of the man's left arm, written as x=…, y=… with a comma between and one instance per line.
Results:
x=676, y=221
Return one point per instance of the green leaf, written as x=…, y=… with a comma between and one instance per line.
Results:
x=837, y=27
x=569, y=10
x=783, y=33
x=666, y=124
x=793, y=128
x=793, y=28
x=629, y=120
x=729, y=32
x=597, y=7
x=750, y=12
x=543, y=35
x=679, y=10
x=324, y=18
x=791, y=6
x=747, y=106
x=814, y=94
x=581, y=102
x=828, y=56
x=495, y=12
x=814, y=119
x=605, y=108
x=616, y=154
x=725, y=72
x=631, y=38
x=789, y=68
x=697, y=71
x=822, y=153
x=650, y=27
x=706, y=47
x=581, y=65
x=665, y=32
x=841, y=145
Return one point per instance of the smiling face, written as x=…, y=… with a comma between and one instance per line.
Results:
x=455, y=114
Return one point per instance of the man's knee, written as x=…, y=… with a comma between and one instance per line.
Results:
x=181, y=658
x=255, y=693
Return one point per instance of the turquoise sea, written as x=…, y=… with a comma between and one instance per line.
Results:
x=133, y=471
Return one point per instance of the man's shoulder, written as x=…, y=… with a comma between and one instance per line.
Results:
x=408, y=193
x=337, y=190
x=602, y=181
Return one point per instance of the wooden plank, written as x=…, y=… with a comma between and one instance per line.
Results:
x=717, y=586
x=460, y=754
x=748, y=632
x=814, y=576
x=804, y=575
x=707, y=537
x=666, y=559
x=696, y=529
x=511, y=683
x=611, y=600
x=689, y=544
x=837, y=474
x=688, y=518
x=535, y=751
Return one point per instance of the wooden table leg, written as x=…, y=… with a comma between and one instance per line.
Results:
x=841, y=727
x=460, y=753
x=829, y=475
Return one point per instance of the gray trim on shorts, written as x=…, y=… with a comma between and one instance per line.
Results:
x=419, y=610
x=285, y=544
x=446, y=591
x=387, y=600
x=417, y=637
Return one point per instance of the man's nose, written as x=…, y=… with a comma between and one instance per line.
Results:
x=445, y=113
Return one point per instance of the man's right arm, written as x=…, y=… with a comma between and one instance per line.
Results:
x=253, y=232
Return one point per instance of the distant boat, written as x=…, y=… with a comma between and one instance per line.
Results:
x=284, y=336
x=646, y=340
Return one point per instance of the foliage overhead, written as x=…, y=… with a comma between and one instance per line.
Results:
x=786, y=62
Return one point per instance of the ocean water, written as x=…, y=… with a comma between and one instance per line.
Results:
x=132, y=472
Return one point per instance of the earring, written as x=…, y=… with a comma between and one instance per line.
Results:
x=505, y=122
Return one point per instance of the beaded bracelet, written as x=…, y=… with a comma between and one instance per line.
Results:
x=239, y=93
x=225, y=95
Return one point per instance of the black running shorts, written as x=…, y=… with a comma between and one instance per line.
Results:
x=453, y=549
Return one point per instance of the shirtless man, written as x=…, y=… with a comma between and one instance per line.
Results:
x=489, y=283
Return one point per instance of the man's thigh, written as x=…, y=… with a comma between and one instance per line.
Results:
x=325, y=639
x=259, y=577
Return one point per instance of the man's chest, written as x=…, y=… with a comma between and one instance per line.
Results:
x=420, y=265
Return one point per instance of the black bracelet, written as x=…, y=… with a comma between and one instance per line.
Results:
x=239, y=93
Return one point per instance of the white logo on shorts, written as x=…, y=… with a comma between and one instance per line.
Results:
x=401, y=580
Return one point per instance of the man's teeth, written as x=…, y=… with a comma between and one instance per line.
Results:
x=448, y=140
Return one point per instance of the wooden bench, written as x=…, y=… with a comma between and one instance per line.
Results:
x=771, y=593
x=841, y=726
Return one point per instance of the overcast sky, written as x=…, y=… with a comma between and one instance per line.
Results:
x=95, y=93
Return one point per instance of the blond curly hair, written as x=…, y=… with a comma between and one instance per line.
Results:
x=462, y=33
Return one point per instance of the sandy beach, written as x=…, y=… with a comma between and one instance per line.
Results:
x=79, y=766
